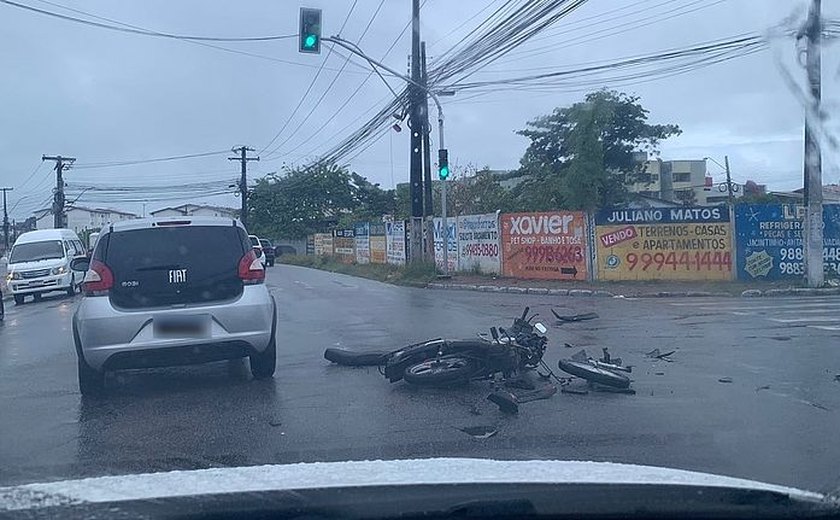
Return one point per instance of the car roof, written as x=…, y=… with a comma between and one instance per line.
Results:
x=45, y=234
x=190, y=220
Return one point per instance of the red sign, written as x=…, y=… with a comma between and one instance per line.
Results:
x=548, y=245
x=618, y=236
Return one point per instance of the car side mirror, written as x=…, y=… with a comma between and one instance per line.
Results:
x=80, y=264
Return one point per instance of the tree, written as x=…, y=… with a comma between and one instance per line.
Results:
x=478, y=192
x=581, y=157
x=302, y=201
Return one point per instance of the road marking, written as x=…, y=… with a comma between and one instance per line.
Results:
x=800, y=320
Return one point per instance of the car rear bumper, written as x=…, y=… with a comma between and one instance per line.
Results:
x=40, y=285
x=110, y=339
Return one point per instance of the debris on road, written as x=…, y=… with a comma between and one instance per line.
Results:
x=479, y=432
x=762, y=387
x=573, y=390
x=659, y=373
x=725, y=380
x=574, y=317
x=656, y=354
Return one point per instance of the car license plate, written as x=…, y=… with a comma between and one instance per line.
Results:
x=182, y=326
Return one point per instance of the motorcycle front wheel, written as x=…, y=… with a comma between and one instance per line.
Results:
x=442, y=371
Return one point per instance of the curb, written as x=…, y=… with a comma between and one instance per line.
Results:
x=543, y=291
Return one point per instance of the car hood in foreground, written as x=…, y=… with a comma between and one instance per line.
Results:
x=362, y=474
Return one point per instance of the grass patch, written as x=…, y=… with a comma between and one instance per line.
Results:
x=415, y=275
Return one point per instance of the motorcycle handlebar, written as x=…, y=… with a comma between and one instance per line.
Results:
x=525, y=312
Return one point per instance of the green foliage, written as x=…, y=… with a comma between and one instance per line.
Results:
x=580, y=157
x=300, y=201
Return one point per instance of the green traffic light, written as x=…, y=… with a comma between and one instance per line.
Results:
x=310, y=41
x=444, y=173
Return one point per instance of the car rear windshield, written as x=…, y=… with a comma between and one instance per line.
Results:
x=34, y=251
x=174, y=265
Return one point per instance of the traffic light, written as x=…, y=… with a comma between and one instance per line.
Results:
x=443, y=164
x=310, y=30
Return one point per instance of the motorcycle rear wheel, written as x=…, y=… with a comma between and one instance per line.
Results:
x=594, y=374
x=442, y=371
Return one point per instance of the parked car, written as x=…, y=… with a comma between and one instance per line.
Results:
x=258, y=249
x=40, y=262
x=92, y=238
x=173, y=291
x=268, y=250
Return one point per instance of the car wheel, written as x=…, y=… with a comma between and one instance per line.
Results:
x=91, y=382
x=71, y=290
x=36, y=297
x=18, y=299
x=264, y=363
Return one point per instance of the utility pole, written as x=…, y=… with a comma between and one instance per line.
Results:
x=61, y=164
x=243, y=180
x=428, y=206
x=728, y=181
x=416, y=123
x=5, y=220
x=812, y=186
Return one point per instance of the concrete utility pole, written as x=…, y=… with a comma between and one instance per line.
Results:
x=813, y=236
x=416, y=123
x=428, y=201
x=61, y=164
x=5, y=220
x=243, y=180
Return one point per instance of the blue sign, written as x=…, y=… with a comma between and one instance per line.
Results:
x=768, y=240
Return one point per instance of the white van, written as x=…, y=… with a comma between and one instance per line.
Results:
x=39, y=262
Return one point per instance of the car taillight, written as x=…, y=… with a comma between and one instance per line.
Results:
x=251, y=270
x=98, y=280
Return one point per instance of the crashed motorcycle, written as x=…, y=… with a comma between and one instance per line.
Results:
x=442, y=362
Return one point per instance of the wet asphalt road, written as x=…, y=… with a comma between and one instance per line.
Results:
x=776, y=421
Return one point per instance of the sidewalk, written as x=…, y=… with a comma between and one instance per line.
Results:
x=628, y=289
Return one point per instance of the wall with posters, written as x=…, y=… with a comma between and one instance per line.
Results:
x=690, y=243
x=769, y=240
x=310, y=245
x=378, y=246
x=323, y=243
x=478, y=243
x=344, y=245
x=395, y=242
x=548, y=245
x=452, y=240
x=361, y=232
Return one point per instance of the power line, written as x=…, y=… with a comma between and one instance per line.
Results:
x=111, y=164
x=138, y=30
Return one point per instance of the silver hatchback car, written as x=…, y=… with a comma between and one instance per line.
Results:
x=173, y=291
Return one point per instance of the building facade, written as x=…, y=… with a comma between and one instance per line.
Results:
x=185, y=210
x=81, y=219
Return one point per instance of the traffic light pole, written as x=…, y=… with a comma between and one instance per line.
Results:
x=374, y=64
x=443, y=183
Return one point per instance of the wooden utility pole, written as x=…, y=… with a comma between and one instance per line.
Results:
x=5, y=220
x=812, y=187
x=243, y=180
x=428, y=201
x=61, y=164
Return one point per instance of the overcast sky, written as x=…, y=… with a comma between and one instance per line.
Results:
x=104, y=96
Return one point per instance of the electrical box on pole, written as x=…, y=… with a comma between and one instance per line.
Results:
x=310, y=30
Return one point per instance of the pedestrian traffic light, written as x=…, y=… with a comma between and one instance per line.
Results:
x=443, y=164
x=310, y=30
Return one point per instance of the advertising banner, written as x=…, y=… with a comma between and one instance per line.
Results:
x=361, y=231
x=769, y=240
x=690, y=243
x=478, y=243
x=548, y=245
x=378, y=246
x=344, y=245
x=323, y=244
x=452, y=240
x=395, y=242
